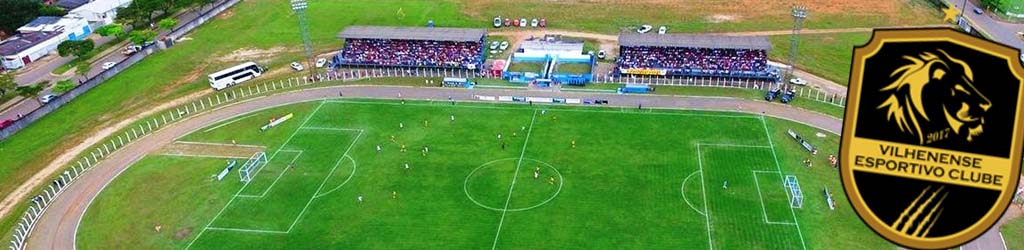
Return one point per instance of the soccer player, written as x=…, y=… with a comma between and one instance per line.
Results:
x=392, y=138
x=378, y=149
x=401, y=125
x=403, y=147
x=514, y=134
x=452, y=117
x=573, y=143
x=725, y=185
x=425, y=124
x=407, y=166
x=359, y=198
x=499, y=136
x=502, y=145
x=536, y=173
x=394, y=194
x=551, y=180
x=542, y=111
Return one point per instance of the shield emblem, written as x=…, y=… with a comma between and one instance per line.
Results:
x=931, y=145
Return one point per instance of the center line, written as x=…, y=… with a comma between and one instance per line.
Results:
x=515, y=175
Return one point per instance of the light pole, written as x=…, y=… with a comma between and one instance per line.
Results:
x=299, y=6
x=799, y=14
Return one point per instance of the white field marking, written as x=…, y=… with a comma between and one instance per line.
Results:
x=336, y=164
x=568, y=110
x=465, y=186
x=246, y=230
x=733, y=145
x=682, y=191
x=346, y=180
x=781, y=178
x=764, y=210
x=1003, y=240
x=247, y=183
x=766, y=172
x=335, y=129
x=219, y=144
x=204, y=156
x=284, y=170
x=514, y=177
x=291, y=151
x=703, y=189
x=228, y=123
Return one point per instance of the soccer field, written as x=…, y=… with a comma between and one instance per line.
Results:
x=574, y=68
x=534, y=67
x=634, y=180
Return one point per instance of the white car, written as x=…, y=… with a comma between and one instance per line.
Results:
x=644, y=29
x=108, y=65
x=494, y=45
x=320, y=62
x=504, y=45
x=522, y=22
x=534, y=23
x=47, y=98
x=662, y=30
x=297, y=67
x=601, y=54
x=497, y=22
x=798, y=81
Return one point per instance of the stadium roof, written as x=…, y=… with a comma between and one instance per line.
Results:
x=413, y=33
x=627, y=38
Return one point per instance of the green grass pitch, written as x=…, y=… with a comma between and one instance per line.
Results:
x=646, y=179
x=526, y=67
x=574, y=68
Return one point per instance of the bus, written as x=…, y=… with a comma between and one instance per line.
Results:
x=234, y=75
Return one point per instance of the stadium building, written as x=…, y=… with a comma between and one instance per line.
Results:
x=550, y=59
x=687, y=55
x=413, y=47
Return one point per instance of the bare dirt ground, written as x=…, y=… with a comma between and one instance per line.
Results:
x=252, y=54
x=210, y=149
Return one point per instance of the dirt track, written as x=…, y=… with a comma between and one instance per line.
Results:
x=57, y=227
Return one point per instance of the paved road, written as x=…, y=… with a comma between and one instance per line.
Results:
x=56, y=228
x=1000, y=31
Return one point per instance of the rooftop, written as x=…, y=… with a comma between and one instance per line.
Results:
x=413, y=33
x=627, y=38
x=71, y=4
x=18, y=43
x=42, y=21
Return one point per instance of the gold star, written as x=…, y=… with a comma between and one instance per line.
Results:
x=950, y=13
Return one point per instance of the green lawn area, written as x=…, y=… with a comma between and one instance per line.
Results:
x=526, y=67
x=825, y=55
x=573, y=68
x=1012, y=233
x=663, y=186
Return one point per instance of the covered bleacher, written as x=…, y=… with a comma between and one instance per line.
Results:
x=690, y=55
x=418, y=47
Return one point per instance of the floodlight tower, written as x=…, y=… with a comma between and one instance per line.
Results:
x=799, y=14
x=299, y=6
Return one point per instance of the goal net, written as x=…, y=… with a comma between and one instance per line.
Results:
x=796, y=197
x=249, y=169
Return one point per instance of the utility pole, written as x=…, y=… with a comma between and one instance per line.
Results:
x=299, y=6
x=799, y=14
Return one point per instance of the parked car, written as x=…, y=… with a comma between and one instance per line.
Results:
x=772, y=94
x=798, y=81
x=47, y=98
x=297, y=67
x=504, y=45
x=662, y=30
x=601, y=54
x=508, y=22
x=522, y=22
x=534, y=23
x=108, y=65
x=644, y=29
x=320, y=62
x=543, y=23
x=131, y=49
x=515, y=22
x=6, y=123
x=494, y=45
x=497, y=22
x=788, y=96
x=978, y=11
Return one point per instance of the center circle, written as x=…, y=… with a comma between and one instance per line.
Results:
x=536, y=184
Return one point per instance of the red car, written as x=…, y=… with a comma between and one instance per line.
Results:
x=543, y=22
x=4, y=124
x=508, y=22
x=515, y=23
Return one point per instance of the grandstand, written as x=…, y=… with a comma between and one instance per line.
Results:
x=416, y=47
x=687, y=55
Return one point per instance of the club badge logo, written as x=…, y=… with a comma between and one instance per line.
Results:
x=932, y=139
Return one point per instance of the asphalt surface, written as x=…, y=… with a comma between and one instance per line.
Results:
x=57, y=227
x=1000, y=31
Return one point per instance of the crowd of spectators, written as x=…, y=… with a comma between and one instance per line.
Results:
x=413, y=53
x=695, y=61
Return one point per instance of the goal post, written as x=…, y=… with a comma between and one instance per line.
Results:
x=796, y=197
x=253, y=165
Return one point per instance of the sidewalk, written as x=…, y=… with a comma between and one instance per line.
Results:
x=11, y=103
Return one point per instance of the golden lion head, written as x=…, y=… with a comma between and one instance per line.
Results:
x=930, y=79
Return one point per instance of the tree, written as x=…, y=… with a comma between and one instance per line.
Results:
x=64, y=86
x=167, y=23
x=76, y=48
x=50, y=10
x=140, y=37
x=17, y=13
x=114, y=29
x=7, y=83
x=83, y=68
x=31, y=91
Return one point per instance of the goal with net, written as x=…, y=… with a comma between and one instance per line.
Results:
x=249, y=169
x=796, y=197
